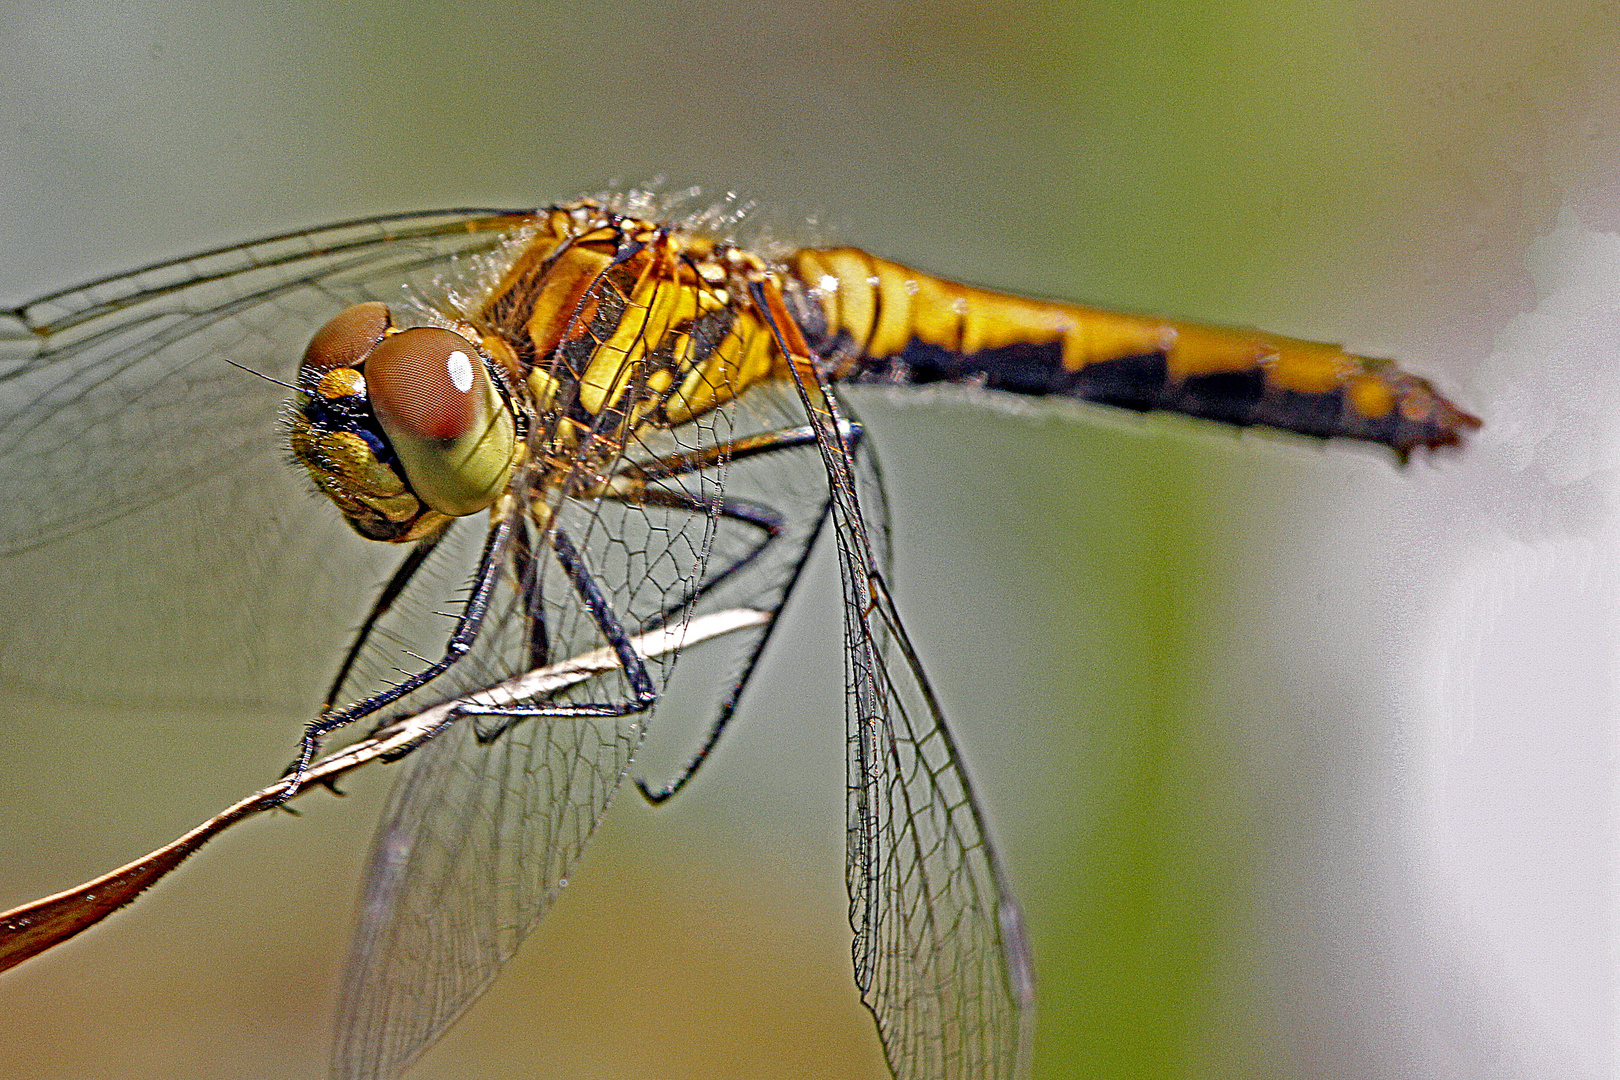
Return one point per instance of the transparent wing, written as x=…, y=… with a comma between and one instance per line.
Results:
x=941, y=958
x=117, y=393
x=478, y=838
x=940, y=952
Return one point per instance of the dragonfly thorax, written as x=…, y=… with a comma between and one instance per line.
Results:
x=599, y=332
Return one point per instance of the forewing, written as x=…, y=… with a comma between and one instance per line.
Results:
x=117, y=393
x=940, y=953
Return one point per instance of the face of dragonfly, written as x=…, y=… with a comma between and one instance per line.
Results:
x=402, y=429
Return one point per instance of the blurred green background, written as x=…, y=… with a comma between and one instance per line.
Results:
x=1138, y=626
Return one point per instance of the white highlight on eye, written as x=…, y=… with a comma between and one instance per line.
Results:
x=828, y=283
x=459, y=364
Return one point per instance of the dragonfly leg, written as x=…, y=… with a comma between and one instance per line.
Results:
x=643, y=694
x=785, y=438
x=527, y=570
x=630, y=487
x=750, y=446
x=766, y=519
x=384, y=603
x=468, y=624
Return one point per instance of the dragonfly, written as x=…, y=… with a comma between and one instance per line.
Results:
x=573, y=426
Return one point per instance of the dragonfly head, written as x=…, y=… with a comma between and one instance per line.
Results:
x=402, y=429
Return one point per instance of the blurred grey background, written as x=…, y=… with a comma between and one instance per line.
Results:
x=1302, y=763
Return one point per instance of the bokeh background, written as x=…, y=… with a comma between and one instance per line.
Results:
x=1303, y=764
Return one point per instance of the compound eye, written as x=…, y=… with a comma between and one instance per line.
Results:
x=451, y=429
x=344, y=341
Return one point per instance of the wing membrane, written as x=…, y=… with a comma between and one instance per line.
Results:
x=940, y=955
x=476, y=842
x=92, y=378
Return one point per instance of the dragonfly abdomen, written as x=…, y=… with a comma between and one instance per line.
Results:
x=884, y=322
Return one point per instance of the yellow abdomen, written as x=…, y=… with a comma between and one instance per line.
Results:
x=886, y=322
